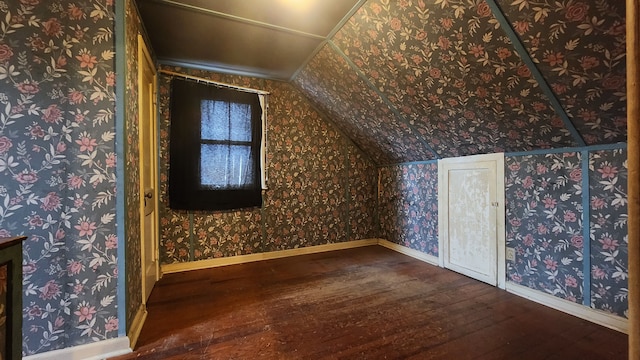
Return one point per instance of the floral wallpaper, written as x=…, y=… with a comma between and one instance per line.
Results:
x=57, y=163
x=408, y=206
x=580, y=48
x=450, y=70
x=544, y=220
x=307, y=199
x=226, y=234
x=318, y=185
x=363, y=202
x=337, y=90
x=608, y=231
x=132, y=173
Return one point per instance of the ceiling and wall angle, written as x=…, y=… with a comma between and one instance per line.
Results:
x=420, y=80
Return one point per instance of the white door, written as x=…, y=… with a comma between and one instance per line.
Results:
x=471, y=216
x=148, y=170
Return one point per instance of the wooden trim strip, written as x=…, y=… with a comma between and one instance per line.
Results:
x=241, y=259
x=586, y=230
x=136, y=325
x=216, y=83
x=633, y=161
x=596, y=316
x=419, y=255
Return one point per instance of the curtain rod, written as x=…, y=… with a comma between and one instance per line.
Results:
x=199, y=79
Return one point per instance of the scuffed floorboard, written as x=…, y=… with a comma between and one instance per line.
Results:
x=365, y=303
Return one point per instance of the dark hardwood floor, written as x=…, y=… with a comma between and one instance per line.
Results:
x=365, y=303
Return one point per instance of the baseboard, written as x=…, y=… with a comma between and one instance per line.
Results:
x=136, y=325
x=596, y=316
x=95, y=351
x=242, y=259
x=419, y=255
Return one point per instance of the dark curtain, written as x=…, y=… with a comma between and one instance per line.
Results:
x=215, y=138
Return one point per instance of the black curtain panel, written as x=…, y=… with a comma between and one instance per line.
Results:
x=215, y=138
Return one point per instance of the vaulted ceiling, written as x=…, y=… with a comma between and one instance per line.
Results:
x=417, y=80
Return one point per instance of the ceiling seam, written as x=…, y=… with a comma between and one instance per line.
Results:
x=239, y=19
x=383, y=97
x=345, y=18
x=330, y=36
x=308, y=60
x=542, y=82
x=221, y=69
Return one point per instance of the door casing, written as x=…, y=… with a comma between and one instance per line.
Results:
x=444, y=213
x=147, y=81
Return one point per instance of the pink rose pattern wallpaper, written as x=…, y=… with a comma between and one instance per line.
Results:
x=452, y=72
x=306, y=203
x=336, y=89
x=453, y=76
x=230, y=233
x=57, y=150
x=580, y=47
x=609, y=231
x=544, y=221
x=57, y=164
x=312, y=170
x=408, y=206
x=363, y=187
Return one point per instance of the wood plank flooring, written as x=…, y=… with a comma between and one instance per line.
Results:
x=365, y=303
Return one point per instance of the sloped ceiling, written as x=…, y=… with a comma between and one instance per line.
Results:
x=448, y=72
x=412, y=80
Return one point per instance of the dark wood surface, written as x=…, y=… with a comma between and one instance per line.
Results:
x=10, y=241
x=365, y=303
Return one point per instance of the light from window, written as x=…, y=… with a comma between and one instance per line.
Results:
x=225, y=145
x=215, y=148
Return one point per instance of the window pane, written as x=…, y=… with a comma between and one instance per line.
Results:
x=226, y=166
x=240, y=122
x=215, y=120
x=223, y=120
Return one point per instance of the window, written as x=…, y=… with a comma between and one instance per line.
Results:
x=215, y=148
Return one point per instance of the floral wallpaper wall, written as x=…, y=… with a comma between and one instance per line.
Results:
x=451, y=70
x=306, y=203
x=132, y=173
x=608, y=231
x=580, y=47
x=544, y=223
x=545, y=220
x=57, y=164
x=408, y=206
x=319, y=188
x=363, y=202
x=338, y=91
x=445, y=77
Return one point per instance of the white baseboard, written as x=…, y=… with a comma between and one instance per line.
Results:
x=136, y=325
x=241, y=259
x=95, y=351
x=433, y=260
x=596, y=316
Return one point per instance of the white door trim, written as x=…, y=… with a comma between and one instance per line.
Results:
x=443, y=213
x=144, y=58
